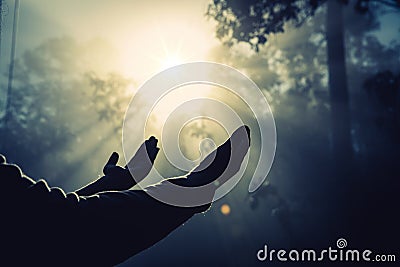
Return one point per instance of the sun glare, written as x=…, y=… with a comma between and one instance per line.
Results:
x=168, y=56
x=169, y=102
x=171, y=61
x=165, y=45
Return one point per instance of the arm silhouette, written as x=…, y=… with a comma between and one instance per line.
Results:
x=97, y=227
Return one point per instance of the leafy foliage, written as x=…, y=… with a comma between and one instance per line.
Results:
x=253, y=21
x=110, y=97
x=59, y=99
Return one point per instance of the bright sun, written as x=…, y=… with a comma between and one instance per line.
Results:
x=165, y=45
x=170, y=61
x=169, y=56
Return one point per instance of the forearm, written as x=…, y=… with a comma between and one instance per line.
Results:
x=104, y=229
x=130, y=222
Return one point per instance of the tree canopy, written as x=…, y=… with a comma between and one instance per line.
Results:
x=253, y=21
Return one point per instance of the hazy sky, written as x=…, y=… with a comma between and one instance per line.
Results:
x=147, y=35
x=143, y=36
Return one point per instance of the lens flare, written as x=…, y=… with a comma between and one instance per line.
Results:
x=225, y=209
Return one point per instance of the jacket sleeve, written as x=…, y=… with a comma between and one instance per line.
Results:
x=51, y=227
x=127, y=222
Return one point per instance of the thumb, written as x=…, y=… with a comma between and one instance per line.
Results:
x=112, y=161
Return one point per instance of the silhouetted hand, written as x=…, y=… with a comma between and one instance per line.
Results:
x=136, y=169
x=221, y=164
x=72, y=228
x=117, y=178
x=197, y=188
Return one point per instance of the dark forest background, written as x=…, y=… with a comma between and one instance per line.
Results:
x=334, y=88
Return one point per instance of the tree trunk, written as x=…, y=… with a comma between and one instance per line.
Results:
x=12, y=62
x=339, y=100
x=1, y=24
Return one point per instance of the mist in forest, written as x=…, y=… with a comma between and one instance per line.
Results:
x=336, y=170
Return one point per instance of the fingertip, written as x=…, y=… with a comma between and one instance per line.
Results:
x=242, y=132
x=151, y=142
x=153, y=139
x=113, y=160
x=247, y=130
x=248, y=133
